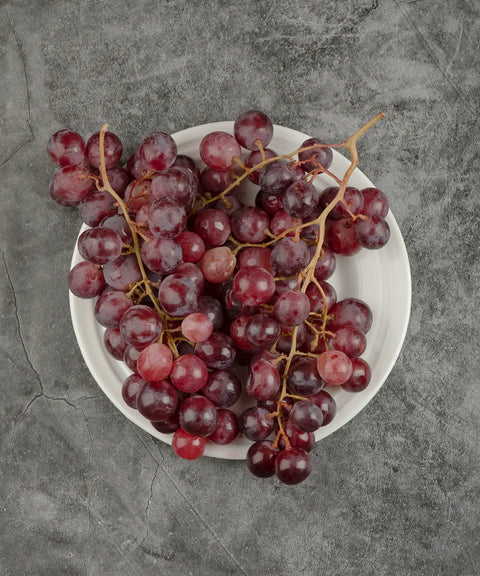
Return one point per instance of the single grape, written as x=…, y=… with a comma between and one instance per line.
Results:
x=349, y=340
x=255, y=256
x=130, y=389
x=218, y=150
x=326, y=264
x=112, y=148
x=155, y=362
x=188, y=163
x=157, y=400
x=270, y=203
x=169, y=425
x=99, y=245
x=262, y=330
x=360, y=378
x=253, y=285
x=137, y=194
x=161, y=255
x=218, y=352
x=114, y=343
x=277, y=176
x=340, y=237
x=300, y=199
x=110, y=307
x=158, y=151
x=264, y=381
x=198, y=416
x=375, y=202
x=197, y=327
x=297, y=438
x=289, y=257
x=166, y=218
x=213, y=226
x=372, y=233
x=118, y=223
x=193, y=247
x=261, y=458
x=136, y=166
x=238, y=333
x=316, y=157
x=86, y=280
x=217, y=264
x=255, y=424
x=140, y=326
x=66, y=148
x=215, y=181
x=327, y=405
x=352, y=311
x=176, y=184
x=249, y=224
x=189, y=373
x=223, y=388
x=118, y=179
x=281, y=222
x=96, y=207
x=122, y=272
x=303, y=377
x=187, y=446
x=306, y=416
x=292, y=307
x=178, y=295
x=227, y=428
x=253, y=126
x=317, y=301
x=293, y=466
x=334, y=367
x=71, y=185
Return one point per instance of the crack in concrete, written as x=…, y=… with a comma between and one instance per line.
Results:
x=27, y=91
x=151, y=496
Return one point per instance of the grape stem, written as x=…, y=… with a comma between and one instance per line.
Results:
x=106, y=187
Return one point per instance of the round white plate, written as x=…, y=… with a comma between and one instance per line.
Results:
x=379, y=277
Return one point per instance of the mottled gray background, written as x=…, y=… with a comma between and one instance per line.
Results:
x=396, y=491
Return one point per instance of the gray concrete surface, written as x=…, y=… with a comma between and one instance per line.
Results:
x=396, y=491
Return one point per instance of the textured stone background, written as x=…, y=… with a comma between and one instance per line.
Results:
x=396, y=491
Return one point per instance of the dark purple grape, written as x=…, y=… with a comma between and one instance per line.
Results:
x=316, y=156
x=298, y=438
x=118, y=223
x=157, y=401
x=110, y=307
x=253, y=285
x=271, y=203
x=233, y=205
x=213, y=309
x=317, y=301
x=327, y=404
x=114, y=343
x=300, y=199
x=137, y=194
x=198, y=416
x=262, y=330
x=349, y=340
x=131, y=388
x=213, y=226
x=122, y=272
x=96, y=207
x=223, y=388
x=255, y=256
x=306, y=416
x=251, y=126
x=255, y=424
x=215, y=181
x=193, y=247
x=360, y=377
x=99, y=245
x=284, y=343
x=340, y=237
x=136, y=166
x=261, y=458
x=140, y=326
x=325, y=265
x=303, y=378
x=118, y=179
x=352, y=311
x=218, y=352
x=176, y=184
x=352, y=199
x=293, y=466
x=169, y=425
x=253, y=159
x=238, y=333
x=277, y=176
x=372, y=233
x=130, y=357
x=281, y=222
x=292, y=307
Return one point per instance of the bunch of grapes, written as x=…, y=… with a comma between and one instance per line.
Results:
x=190, y=283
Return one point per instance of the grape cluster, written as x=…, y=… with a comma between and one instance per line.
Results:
x=190, y=283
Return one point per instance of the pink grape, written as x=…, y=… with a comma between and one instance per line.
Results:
x=155, y=362
x=66, y=148
x=166, y=218
x=270, y=203
x=197, y=327
x=96, y=207
x=334, y=367
x=349, y=340
x=137, y=194
x=130, y=357
x=372, y=233
x=187, y=446
x=215, y=181
x=118, y=179
x=218, y=150
x=289, y=257
x=135, y=165
x=264, y=381
x=217, y=264
x=340, y=237
x=118, y=223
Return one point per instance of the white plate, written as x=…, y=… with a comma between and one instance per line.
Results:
x=379, y=277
